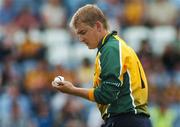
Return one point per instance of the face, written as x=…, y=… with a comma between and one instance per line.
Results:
x=88, y=35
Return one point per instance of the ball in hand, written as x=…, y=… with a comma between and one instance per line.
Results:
x=59, y=79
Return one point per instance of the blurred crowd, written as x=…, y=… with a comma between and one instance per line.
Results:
x=36, y=45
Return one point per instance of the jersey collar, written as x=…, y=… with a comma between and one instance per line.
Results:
x=105, y=39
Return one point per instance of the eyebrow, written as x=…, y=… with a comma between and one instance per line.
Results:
x=80, y=31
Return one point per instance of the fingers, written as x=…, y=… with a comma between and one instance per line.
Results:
x=56, y=85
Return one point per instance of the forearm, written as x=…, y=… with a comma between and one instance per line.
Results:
x=82, y=92
x=69, y=88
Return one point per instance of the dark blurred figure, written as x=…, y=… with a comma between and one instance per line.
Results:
x=42, y=116
x=73, y=110
x=176, y=73
x=5, y=50
x=170, y=57
x=10, y=72
x=145, y=50
x=159, y=76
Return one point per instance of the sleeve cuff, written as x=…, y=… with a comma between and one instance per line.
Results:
x=91, y=94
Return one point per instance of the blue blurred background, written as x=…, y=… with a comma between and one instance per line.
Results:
x=36, y=45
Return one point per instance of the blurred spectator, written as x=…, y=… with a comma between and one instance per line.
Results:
x=37, y=78
x=134, y=12
x=10, y=73
x=7, y=12
x=58, y=101
x=145, y=50
x=160, y=37
x=13, y=102
x=43, y=116
x=153, y=95
x=161, y=12
x=169, y=93
x=6, y=50
x=159, y=76
x=146, y=55
x=30, y=49
x=72, y=110
x=162, y=115
x=54, y=14
x=170, y=57
x=31, y=4
x=176, y=71
x=26, y=19
x=85, y=73
x=16, y=118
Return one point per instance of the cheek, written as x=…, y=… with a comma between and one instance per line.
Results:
x=93, y=36
x=91, y=40
x=94, y=41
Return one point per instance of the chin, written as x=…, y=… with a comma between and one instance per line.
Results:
x=90, y=47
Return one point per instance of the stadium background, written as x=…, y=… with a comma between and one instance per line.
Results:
x=36, y=45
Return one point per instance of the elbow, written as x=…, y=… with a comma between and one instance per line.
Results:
x=103, y=98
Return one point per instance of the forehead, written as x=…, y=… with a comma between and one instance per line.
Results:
x=81, y=26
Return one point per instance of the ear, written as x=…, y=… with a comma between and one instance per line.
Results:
x=99, y=26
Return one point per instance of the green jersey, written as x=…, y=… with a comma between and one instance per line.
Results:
x=120, y=84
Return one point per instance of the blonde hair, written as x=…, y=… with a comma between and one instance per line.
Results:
x=88, y=14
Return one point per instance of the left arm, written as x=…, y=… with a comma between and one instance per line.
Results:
x=69, y=88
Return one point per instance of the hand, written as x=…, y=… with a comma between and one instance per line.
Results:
x=69, y=88
x=64, y=86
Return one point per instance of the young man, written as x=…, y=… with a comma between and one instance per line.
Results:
x=120, y=87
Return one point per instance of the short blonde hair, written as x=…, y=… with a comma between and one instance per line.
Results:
x=88, y=14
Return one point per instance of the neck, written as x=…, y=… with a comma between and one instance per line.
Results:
x=102, y=37
x=105, y=32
